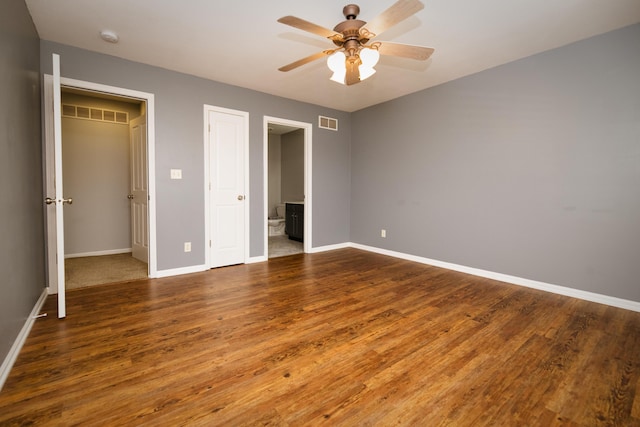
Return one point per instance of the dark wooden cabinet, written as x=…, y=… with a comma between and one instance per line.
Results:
x=294, y=221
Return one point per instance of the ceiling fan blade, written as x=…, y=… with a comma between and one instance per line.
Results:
x=306, y=60
x=398, y=12
x=310, y=27
x=420, y=53
x=353, y=73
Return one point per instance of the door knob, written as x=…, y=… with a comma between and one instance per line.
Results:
x=130, y=197
x=240, y=197
x=51, y=201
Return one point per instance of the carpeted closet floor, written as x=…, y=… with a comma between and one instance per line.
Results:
x=97, y=270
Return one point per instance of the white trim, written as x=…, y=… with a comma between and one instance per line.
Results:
x=99, y=253
x=207, y=229
x=180, y=271
x=59, y=191
x=151, y=154
x=514, y=280
x=331, y=247
x=11, y=357
x=308, y=184
x=256, y=259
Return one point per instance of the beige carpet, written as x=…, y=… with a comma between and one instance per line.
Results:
x=98, y=270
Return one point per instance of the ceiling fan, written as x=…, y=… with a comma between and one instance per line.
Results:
x=354, y=58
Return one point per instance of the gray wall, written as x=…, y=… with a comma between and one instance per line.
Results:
x=530, y=169
x=292, y=166
x=96, y=171
x=179, y=101
x=22, y=274
x=275, y=173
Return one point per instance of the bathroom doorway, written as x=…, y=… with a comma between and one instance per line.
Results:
x=287, y=187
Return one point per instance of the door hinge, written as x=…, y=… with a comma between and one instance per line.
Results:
x=209, y=243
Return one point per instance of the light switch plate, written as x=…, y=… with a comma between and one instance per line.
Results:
x=176, y=173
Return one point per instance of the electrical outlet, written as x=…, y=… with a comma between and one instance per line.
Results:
x=176, y=173
x=383, y=233
x=187, y=246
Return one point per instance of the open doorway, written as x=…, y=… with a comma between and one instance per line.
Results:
x=100, y=154
x=143, y=106
x=287, y=187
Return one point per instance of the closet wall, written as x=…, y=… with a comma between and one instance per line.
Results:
x=96, y=174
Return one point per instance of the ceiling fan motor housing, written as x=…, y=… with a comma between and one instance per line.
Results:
x=350, y=29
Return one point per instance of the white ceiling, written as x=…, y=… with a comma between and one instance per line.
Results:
x=240, y=43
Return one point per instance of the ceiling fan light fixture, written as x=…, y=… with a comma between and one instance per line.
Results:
x=338, y=76
x=366, y=72
x=357, y=55
x=369, y=57
x=336, y=63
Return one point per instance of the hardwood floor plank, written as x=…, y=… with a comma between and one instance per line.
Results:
x=341, y=338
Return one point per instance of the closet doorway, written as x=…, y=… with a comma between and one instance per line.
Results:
x=104, y=168
x=107, y=148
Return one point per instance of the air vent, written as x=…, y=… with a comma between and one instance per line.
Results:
x=327, y=123
x=95, y=114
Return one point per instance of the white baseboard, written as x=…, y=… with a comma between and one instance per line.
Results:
x=556, y=289
x=8, y=362
x=180, y=271
x=255, y=259
x=520, y=281
x=330, y=247
x=99, y=253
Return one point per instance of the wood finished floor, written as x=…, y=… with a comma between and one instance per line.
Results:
x=338, y=338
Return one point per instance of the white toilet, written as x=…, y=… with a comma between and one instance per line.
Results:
x=277, y=223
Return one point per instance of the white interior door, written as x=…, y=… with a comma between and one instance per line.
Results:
x=55, y=200
x=227, y=138
x=50, y=187
x=139, y=195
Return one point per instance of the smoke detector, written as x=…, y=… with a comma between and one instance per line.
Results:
x=109, y=36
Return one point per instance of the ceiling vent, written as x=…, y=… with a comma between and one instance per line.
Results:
x=95, y=114
x=327, y=123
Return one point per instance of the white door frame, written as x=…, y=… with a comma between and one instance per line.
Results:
x=151, y=157
x=308, y=162
x=207, y=173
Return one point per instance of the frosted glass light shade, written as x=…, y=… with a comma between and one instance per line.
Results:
x=336, y=63
x=338, y=76
x=369, y=57
x=366, y=72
